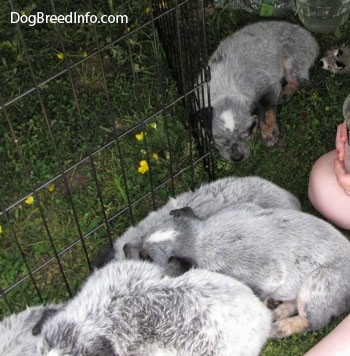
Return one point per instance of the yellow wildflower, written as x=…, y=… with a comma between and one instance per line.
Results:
x=140, y=136
x=143, y=167
x=155, y=156
x=163, y=5
x=29, y=200
x=51, y=188
x=60, y=55
x=327, y=108
x=153, y=125
x=22, y=12
x=148, y=10
x=0, y=229
x=84, y=54
x=143, y=151
x=314, y=95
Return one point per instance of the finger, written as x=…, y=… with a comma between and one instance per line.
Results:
x=340, y=141
x=342, y=177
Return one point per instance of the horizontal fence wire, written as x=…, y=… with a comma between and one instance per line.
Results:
x=100, y=127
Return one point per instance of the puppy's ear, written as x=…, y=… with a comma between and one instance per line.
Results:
x=127, y=250
x=186, y=212
x=47, y=314
x=339, y=65
x=104, y=255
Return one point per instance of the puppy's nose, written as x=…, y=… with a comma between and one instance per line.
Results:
x=237, y=157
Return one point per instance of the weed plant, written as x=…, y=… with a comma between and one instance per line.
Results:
x=93, y=150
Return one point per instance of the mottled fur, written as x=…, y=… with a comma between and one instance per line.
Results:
x=337, y=60
x=130, y=308
x=206, y=200
x=284, y=255
x=16, y=338
x=252, y=71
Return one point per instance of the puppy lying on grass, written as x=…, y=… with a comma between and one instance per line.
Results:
x=206, y=200
x=283, y=255
x=132, y=308
x=252, y=71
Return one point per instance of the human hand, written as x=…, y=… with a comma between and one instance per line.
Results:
x=340, y=141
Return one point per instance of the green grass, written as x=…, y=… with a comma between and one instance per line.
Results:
x=105, y=108
x=119, y=93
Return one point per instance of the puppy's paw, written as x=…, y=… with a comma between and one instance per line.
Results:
x=286, y=327
x=269, y=128
x=270, y=138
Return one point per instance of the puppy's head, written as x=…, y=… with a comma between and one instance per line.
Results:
x=65, y=337
x=233, y=129
x=335, y=60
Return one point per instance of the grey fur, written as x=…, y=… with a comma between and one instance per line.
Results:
x=16, y=338
x=208, y=199
x=255, y=69
x=337, y=60
x=130, y=308
x=285, y=255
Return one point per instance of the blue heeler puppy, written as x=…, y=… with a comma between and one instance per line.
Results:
x=283, y=255
x=205, y=200
x=131, y=308
x=252, y=71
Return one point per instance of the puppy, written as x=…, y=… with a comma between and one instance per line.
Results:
x=337, y=60
x=252, y=71
x=131, y=308
x=206, y=200
x=283, y=255
x=16, y=337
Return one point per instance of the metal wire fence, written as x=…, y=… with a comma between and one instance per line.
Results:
x=99, y=126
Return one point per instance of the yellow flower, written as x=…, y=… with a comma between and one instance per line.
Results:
x=155, y=156
x=314, y=95
x=153, y=125
x=140, y=136
x=143, y=167
x=29, y=200
x=0, y=229
x=22, y=12
x=148, y=10
x=60, y=55
x=327, y=108
x=51, y=188
x=84, y=54
x=163, y=5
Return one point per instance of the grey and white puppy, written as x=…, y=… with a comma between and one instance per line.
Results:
x=16, y=337
x=130, y=308
x=206, y=200
x=252, y=71
x=337, y=60
x=283, y=255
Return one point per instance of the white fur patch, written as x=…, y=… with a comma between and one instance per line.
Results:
x=53, y=353
x=227, y=118
x=162, y=235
